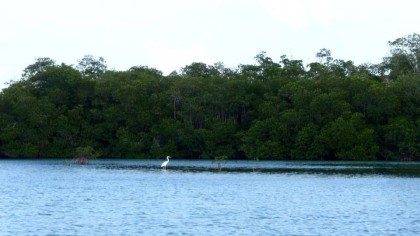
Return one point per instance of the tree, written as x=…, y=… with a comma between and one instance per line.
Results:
x=304, y=143
x=326, y=107
x=292, y=67
x=403, y=138
x=346, y=138
x=41, y=65
x=267, y=67
x=405, y=56
x=144, y=71
x=199, y=69
x=91, y=67
x=220, y=139
x=263, y=140
x=166, y=136
x=324, y=56
x=25, y=123
x=266, y=110
x=62, y=85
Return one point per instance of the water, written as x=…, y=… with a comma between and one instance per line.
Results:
x=192, y=198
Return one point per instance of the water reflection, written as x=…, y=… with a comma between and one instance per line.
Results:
x=404, y=169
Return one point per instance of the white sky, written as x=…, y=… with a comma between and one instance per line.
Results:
x=169, y=34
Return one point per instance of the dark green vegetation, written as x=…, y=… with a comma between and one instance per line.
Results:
x=330, y=109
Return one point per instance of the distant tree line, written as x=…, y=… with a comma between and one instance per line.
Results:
x=329, y=110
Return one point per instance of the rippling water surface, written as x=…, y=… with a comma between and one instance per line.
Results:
x=54, y=197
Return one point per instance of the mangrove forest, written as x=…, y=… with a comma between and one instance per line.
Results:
x=277, y=109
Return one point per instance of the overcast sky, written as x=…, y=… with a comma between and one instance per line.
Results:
x=169, y=34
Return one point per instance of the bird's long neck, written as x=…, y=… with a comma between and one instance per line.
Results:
x=167, y=158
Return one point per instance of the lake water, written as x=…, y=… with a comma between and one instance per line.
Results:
x=108, y=197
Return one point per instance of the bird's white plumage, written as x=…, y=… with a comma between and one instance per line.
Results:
x=164, y=164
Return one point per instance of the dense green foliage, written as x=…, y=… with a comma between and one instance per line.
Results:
x=330, y=110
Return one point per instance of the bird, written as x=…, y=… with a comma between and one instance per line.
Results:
x=164, y=164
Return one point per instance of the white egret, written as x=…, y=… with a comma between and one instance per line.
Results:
x=164, y=164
